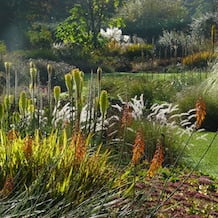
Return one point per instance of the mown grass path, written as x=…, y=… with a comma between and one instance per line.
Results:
x=209, y=163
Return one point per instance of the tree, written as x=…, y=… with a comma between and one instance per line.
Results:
x=147, y=18
x=198, y=7
x=18, y=16
x=86, y=19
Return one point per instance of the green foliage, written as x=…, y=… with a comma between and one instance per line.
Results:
x=201, y=27
x=84, y=24
x=40, y=36
x=74, y=28
x=147, y=18
x=3, y=49
x=150, y=85
x=138, y=51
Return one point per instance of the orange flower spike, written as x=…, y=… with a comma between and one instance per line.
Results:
x=12, y=135
x=157, y=160
x=200, y=107
x=78, y=143
x=28, y=147
x=8, y=187
x=138, y=148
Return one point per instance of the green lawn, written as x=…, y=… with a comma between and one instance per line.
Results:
x=209, y=163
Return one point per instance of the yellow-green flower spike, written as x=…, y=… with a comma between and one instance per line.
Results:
x=49, y=68
x=22, y=102
x=1, y=111
x=57, y=92
x=33, y=72
x=103, y=102
x=68, y=82
x=99, y=73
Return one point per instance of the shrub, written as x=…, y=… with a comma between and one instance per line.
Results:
x=137, y=51
x=43, y=53
x=199, y=60
x=40, y=36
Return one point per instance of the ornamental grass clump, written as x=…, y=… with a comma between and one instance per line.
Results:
x=67, y=165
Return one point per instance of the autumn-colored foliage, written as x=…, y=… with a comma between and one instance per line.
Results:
x=199, y=59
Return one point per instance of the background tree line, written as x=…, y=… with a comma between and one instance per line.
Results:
x=146, y=18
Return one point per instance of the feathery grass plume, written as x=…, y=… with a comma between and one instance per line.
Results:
x=27, y=147
x=200, y=107
x=57, y=92
x=78, y=143
x=157, y=160
x=138, y=147
x=8, y=187
x=127, y=117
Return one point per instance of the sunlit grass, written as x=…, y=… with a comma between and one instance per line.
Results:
x=197, y=148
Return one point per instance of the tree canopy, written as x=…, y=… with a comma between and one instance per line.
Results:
x=82, y=20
